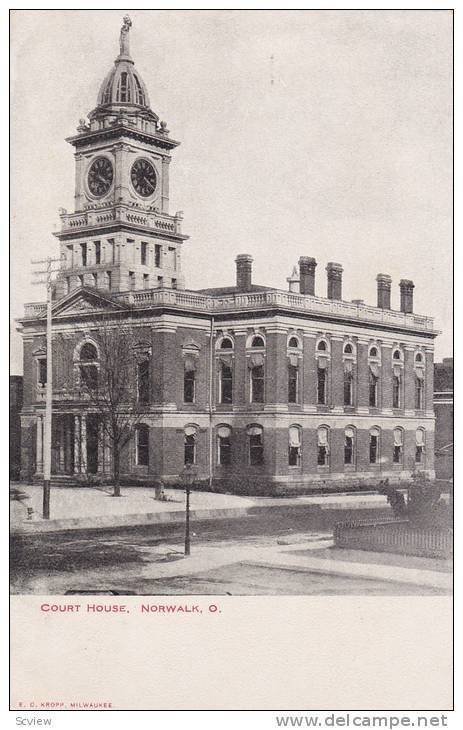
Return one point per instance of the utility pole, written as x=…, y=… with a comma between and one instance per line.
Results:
x=49, y=385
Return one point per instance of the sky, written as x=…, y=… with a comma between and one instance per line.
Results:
x=304, y=133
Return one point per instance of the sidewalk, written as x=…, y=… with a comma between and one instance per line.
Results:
x=87, y=508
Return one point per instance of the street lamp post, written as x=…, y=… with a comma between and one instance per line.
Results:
x=188, y=478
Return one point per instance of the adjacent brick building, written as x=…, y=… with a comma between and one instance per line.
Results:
x=256, y=386
x=443, y=407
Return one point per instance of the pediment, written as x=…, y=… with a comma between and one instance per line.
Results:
x=82, y=301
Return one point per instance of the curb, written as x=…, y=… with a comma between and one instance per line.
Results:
x=178, y=517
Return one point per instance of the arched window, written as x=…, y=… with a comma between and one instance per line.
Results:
x=373, y=352
x=322, y=346
x=224, y=445
x=190, y=445
x=418, y=357
x=255, y=445
x=226, y=344
x=323, y=435
x=420, y=445
x=349, y=446
x=397, y=355
x=88, y=352
x=140, y=97
x=257, y=341
x=348, y=349
x=294, y=343
x=374, y=445
x=226, y=382
x=142, y=445
x=397, y=455
x=88, y=368
x=294, y=446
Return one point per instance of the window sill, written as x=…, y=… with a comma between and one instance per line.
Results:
x=323, y=469
x=349, y=468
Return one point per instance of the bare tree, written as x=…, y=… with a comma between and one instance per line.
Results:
x=116, y=383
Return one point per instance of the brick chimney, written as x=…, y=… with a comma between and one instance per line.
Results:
x=384, y=291
x=406, y=295
x=334, y=272
x=307, y=267
x=243, y=272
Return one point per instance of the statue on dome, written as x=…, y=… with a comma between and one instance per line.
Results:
x=124, y=36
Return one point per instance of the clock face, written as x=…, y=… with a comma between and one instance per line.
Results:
x=143, y=176
x=100, y=176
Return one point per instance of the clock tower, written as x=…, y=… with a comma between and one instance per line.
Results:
x=121, y=235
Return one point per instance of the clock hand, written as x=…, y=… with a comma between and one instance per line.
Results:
x=148, y=182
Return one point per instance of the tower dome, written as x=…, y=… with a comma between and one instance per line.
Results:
x=123, y=91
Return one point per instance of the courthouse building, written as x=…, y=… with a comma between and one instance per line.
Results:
x=256, y=386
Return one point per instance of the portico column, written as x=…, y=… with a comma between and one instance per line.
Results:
x=77, y=458
x=39, y=446
x=62, y=445
x=83, y=443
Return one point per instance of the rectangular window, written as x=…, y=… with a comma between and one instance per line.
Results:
x=157, y=255
x=397, y=454
x=419, y=394
x=97, y=252
x=112, y=250
x=144, y=253
x=256, y=450
x=131, y=280
x=373, y=390
x=83, y=250
x=109, y=280
x=143, y=381
x=190, y=450
x=42, y=372
x=257, y=384
x=171, y=258
x=189, y=386
x=373, y=449
x=321, y=386
x=160, y=281
x=174, y=283
x=226, y=384
x=146, y=281
x=322, y=456
x=142, y=446
x=348, y=450
x=348, y=389
x=419, y=454
x=396, y=391
x=292, y=383
x=224, y=450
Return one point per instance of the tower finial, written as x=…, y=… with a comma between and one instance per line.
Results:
x=124, y=36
